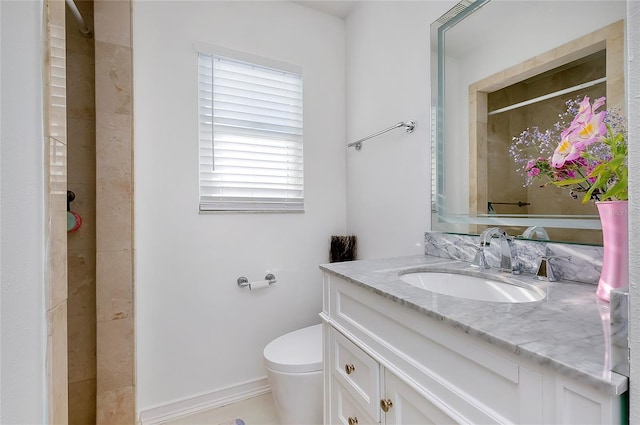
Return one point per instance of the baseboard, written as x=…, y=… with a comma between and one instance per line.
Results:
x=202, y=402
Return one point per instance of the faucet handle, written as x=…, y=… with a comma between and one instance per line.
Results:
x=545, y=269
x=479, y=260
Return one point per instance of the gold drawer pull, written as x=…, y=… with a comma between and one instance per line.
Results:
x=352, y=420
x=386, y=405
x=349, y=368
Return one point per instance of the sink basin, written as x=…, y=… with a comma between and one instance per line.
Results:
x=473, y=287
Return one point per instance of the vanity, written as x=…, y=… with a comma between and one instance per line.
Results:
x=398, y=354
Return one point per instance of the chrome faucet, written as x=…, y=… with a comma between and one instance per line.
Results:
x=537, y=232
x=509, y=255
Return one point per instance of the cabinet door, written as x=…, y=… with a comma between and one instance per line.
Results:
x=345, y=410
x=577, y=404
x=413, y=408
x=357, y=372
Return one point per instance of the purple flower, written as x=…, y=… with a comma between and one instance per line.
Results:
x=583, y=138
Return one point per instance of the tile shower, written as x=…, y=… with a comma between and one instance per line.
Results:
x=81, y=244
x=99, y=320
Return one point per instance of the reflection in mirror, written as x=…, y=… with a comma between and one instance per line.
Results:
x=503, y=68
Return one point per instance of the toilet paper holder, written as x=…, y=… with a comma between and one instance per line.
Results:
x=243, y=281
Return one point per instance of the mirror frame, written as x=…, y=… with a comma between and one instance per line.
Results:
x=610, y=38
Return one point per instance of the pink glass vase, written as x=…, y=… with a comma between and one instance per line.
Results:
x=615, y=238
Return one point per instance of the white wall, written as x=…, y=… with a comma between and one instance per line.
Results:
x=196, y=331
x=22, y=308
x=388, y=80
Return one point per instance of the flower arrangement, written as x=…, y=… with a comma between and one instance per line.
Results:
x=588, y=155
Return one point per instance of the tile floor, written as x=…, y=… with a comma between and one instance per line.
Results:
x=254, y=411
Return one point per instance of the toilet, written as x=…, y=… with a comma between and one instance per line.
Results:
x=294, y=369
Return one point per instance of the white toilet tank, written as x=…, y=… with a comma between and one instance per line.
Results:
x=294, y=369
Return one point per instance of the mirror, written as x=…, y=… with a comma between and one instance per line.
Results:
x=499, y=68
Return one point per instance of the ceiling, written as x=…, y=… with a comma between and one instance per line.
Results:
x=337, y=8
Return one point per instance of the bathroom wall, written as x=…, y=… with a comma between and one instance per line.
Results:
x=199, y=336
x=81, y=244
x=388, y=80
x=23, y=305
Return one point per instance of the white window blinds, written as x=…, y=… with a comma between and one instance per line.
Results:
x=250, y=120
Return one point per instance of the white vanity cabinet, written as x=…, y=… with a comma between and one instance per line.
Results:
x=364, y=392
x=389, y=364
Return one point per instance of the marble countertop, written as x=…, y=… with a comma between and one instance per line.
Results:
x=568, y=331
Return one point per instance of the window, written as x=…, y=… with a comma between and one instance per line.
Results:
x=250, y=119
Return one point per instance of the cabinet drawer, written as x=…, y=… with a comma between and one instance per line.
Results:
x=346, y=411
x=357, y=372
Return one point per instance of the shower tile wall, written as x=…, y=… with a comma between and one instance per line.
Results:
x=114, y=214
x=81, y=244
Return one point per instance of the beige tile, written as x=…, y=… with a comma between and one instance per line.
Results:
x=113, y=148
x=85, y=205
x=81, y=151
x=82, y=284
x=115, y=350
x=57, y=119
x=57, y=364
x=81, y=348
x=114, y=184
x=80, y=85
x=58, y=172
x=55, y=12
x=57, y=252
x=615, y=68
x=82, y=402
x=116, y=407
x=57, y=232
x=113, y=216
x=76, y=42
x=114, y=291
x=57, y=169
x=56, y=82
x=115, y=354
x=58, y=202
x=113, y=21
x=113, y=78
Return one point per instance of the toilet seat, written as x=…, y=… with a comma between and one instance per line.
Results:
x=296, y=352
